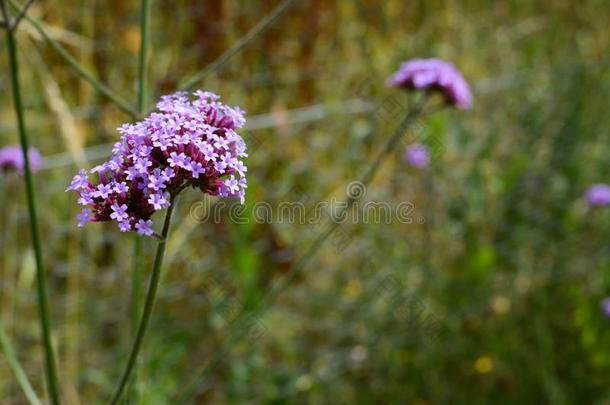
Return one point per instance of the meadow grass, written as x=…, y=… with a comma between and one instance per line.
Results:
x=492, y=293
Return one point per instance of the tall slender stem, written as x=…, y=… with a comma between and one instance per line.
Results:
x=142, y=64
x=136, y=281
x=241, y=320
x=136, y=294
x=20, y=375
x=148, y=305
x=41, y=281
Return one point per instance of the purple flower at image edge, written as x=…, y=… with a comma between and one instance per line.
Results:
x=11, y=158
x=417, y=156
x=188, y=142
x=598, y=195
x=605, y=305
x=434, y=74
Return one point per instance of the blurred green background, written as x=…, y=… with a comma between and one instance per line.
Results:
x=490, y=295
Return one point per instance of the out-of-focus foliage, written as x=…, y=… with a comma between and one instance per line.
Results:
x=490, y=294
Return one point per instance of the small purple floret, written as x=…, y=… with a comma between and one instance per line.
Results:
x=144, y=227
x=417, y=156
x=119, y=212
x=80, y=181
x=84, y=217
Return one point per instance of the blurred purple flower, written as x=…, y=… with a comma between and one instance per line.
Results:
x=598, y=195
x=417, y=156
x=434, y=74
x=11, y=158
x=605, y=305
x=156, y=158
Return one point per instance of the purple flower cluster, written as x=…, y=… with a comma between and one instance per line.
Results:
x=417, y=156
x=11, y=158
x=434, y=74
x=598, y=195
x=187, y=143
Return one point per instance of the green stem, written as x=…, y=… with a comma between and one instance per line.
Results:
x=148, y=305
x=137, y=243
x=20, y=375
x=142, y=63
x=244, y=315
x=21, y=14
x=80, y=70
x=136, y=282
x=144, y=34
x=136, y=294
x=41, y=282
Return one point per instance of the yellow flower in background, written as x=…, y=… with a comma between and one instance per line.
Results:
x=132, y=38
x=483, y=365
x=353, y=288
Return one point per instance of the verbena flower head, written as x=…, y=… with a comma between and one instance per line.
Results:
x=434, y=74
x=598, y=195
x=11, y=158
x=417, y=156
x=605, y=305
x=186, y=143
